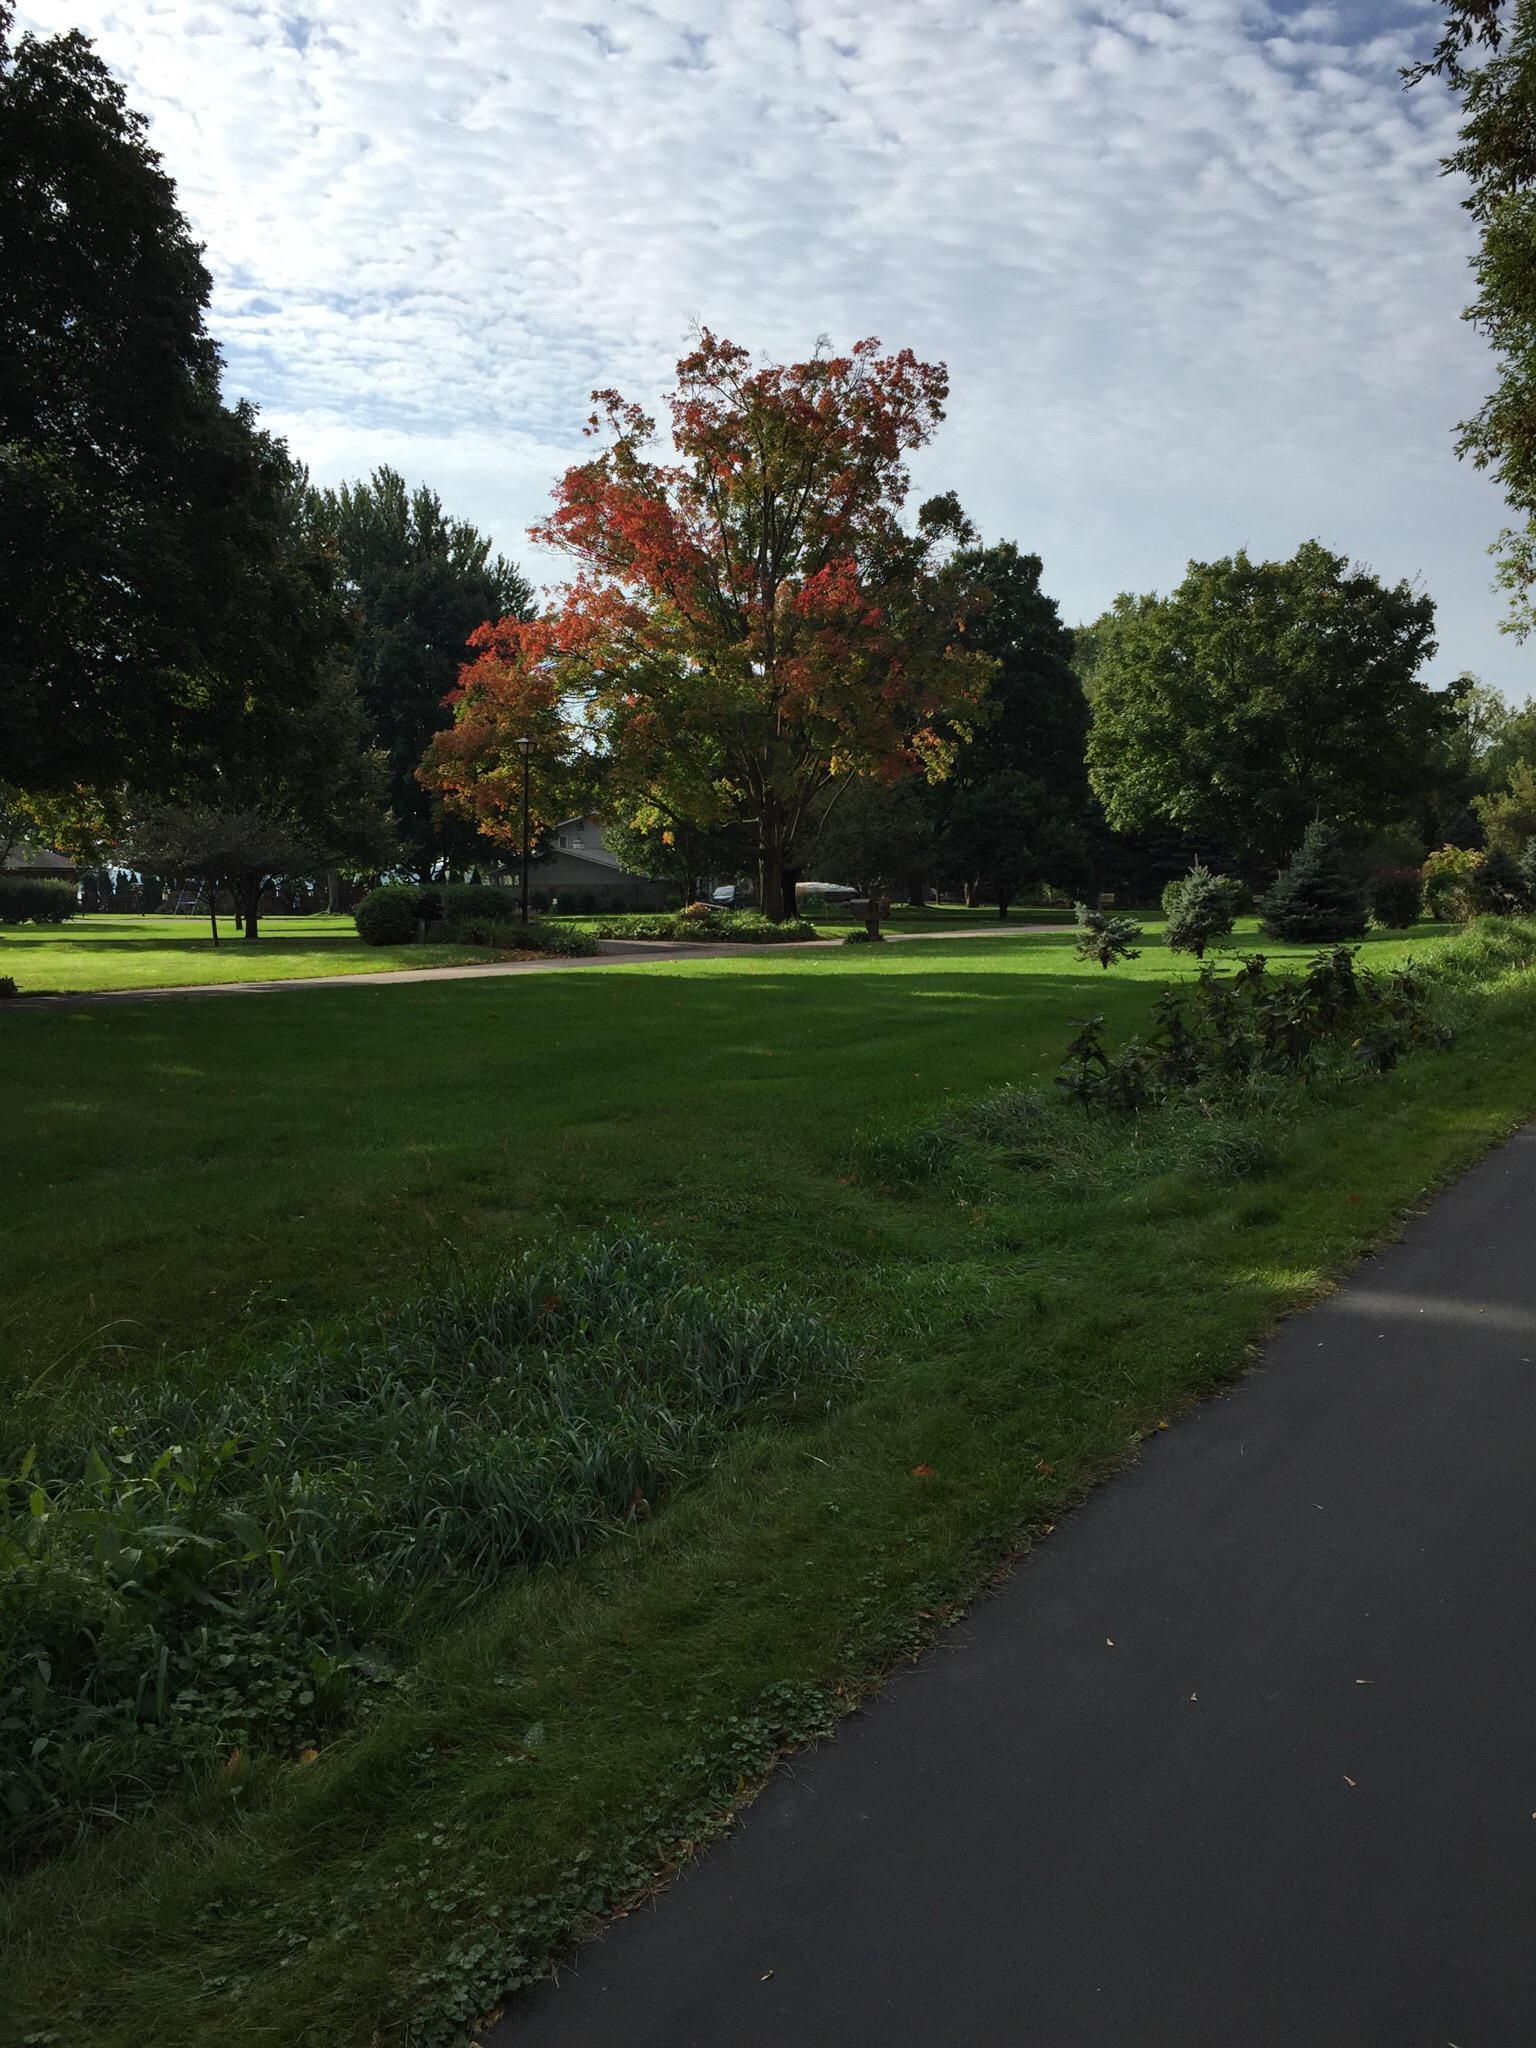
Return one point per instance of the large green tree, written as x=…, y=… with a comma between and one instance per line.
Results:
x=1014, y=809
x=878, y=836
x=421, y=582
x=1008, y=832
x=150, y=592
x=1487, y=54
x=1260, y=695
x=304, y=792
x=1037, y=723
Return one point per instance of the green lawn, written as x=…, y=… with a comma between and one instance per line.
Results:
x=187, y=1172
x=212, y=1172
x=102, y=952
x=94, y=953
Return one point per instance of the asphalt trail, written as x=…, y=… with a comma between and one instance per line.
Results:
x=1244, y=1756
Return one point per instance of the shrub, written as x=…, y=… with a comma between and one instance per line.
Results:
x=478, y=931
x=388, y=916
x=1104, y=937
x=26, y=899
x=1450, y=883
x=559, y=940
x=509, y=936
x=862, y=938
x=8, y=987
x=217, y=1558
x=1201, y=907
x=1527, y=866
x=489, y=901
x=1318, y=899
x=1498, y=887
x=742, y=927
x=1397, y=897
x=1252, y=1026
x=752, y=928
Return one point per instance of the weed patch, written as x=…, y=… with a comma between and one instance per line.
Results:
x=225, y=1562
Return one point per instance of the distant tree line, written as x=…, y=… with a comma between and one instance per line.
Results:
x=213, y=671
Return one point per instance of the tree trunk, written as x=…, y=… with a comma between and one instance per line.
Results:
x=1003, y=902
x=917, y=892
x=333, y=890
x=213, y=913
x=770, y=863
x=971, y=891
x=252, y=887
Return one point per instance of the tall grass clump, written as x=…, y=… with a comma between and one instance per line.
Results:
x=235, y=1560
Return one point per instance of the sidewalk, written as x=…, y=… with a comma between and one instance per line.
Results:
x=1244, y=1756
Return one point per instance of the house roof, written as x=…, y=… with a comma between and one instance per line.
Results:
x=38, y=860
x=594, y=851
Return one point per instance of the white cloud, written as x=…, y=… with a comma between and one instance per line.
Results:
x=1192, y=264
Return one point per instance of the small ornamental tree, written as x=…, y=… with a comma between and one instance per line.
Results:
x=1397, y=897
x=1508, y=815
x=1450, y=882
x=749, y=621
x=1200, y=909
x=229, y=847
x=1318, y=899
x=1499, y=887
x=1105, y=938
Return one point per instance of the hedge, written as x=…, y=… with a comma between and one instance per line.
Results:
x=26, y=900
x=389, y=915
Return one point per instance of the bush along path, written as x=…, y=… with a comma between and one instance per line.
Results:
x=531, y=1768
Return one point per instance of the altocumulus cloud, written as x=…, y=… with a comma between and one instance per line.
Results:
x=1192, y=264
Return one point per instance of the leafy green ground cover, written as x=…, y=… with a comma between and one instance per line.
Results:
x=1020, y=1313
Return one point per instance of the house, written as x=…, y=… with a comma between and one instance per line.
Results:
x=37, y=864
x=575, y=871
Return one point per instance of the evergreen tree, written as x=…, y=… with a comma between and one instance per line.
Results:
x=421, y=581
x=1200, y=909
x=1319, y=898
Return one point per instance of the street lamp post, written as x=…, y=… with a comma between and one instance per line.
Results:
x=523, y=746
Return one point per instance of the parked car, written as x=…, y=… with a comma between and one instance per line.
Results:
x=827, y=892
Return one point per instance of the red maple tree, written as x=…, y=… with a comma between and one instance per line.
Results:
x=748, y=622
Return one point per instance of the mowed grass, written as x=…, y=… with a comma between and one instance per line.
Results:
x=200, y=1172
x=94, y=953
x=205, y=1172
x=112, y=952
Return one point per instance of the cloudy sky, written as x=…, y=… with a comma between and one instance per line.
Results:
x=1191, y=262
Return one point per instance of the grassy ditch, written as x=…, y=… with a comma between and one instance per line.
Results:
x=1042, y=1281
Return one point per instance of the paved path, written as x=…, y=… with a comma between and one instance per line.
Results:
x=1243, y=1757
x=614, y=953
